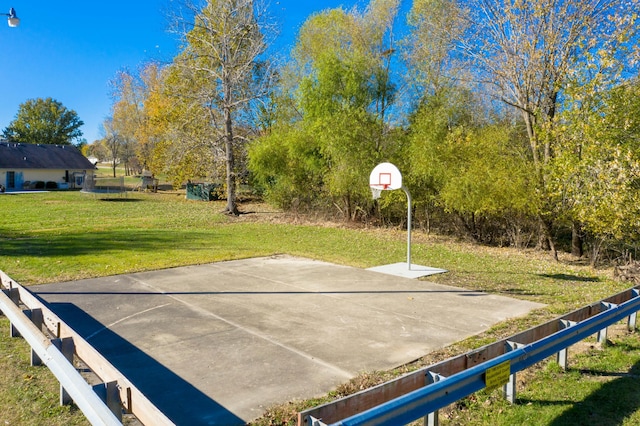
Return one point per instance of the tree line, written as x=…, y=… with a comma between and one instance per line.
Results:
x=513, y=122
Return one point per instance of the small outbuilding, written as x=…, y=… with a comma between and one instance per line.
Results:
x=42, y=166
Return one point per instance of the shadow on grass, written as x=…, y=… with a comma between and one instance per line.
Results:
x=567, y=277
x=121, y=200
x=177, y=399
x=614, y=402
x=74, y=244
x=518, y=292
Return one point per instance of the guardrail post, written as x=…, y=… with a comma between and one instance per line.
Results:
x=13, y=331
x=109, y=393
x=36, y=317
x=563, y=355
x=431, y=419
x=509, y=389
x=631, y=322
x=67, y=347
x=602, y=334
x=14, y=295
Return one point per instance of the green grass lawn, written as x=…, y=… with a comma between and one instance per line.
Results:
x=61, y=236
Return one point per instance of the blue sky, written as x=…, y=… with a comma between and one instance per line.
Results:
x=70, y=50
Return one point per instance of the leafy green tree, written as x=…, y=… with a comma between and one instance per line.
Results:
x=225, y=75
x=288, y=167
x=467, y=165
x=44, y=121
x=337, y=120
x=596, y=173
x=526, y=54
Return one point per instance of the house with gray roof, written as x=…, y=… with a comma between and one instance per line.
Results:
x=41, y=166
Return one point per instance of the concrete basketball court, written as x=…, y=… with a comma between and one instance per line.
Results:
x=219, y=343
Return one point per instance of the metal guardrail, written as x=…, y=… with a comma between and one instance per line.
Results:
x=70, y=379
x=102, y=404
x=423, y=393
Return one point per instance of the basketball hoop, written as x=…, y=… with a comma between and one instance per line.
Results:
x=387, y=177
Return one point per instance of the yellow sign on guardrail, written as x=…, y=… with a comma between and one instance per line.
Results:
x=498, y=376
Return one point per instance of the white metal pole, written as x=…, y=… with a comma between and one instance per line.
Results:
x=406, y=191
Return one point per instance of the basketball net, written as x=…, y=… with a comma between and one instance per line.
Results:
x=376, y=190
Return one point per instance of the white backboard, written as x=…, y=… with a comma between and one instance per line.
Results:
x=385, y=176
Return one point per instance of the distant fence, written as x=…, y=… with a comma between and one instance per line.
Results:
x=422, y=393
x=104, y=185
x=55, y=344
